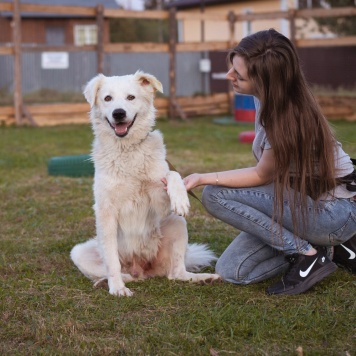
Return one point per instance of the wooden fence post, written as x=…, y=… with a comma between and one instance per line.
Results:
x=172, y=61
x=18, y=101
x=173, y=105
x=292, y=27
x=100, y=44
x=232, y=20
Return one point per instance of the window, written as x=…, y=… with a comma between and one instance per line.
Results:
x=85, y=35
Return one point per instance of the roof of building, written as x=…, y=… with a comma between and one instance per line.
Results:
x=90, y=3
x=112, y=4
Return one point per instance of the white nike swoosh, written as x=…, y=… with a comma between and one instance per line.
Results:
x=352, y=253
x=306, y=272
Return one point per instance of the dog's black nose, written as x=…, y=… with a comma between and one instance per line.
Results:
x=119, y=114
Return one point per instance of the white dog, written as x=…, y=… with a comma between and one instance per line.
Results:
x=140, y=227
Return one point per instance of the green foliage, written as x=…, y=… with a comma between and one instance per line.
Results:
x=136, y=30
x=48, y=308
x=343, y=26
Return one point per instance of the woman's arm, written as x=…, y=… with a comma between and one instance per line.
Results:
x=261, y=174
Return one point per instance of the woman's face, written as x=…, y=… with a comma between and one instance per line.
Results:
x=239, y=78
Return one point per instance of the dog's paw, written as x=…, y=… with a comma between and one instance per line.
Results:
x=180, y=206
x=121, y=292
x=177, y=193
x=117, y=288
x=214, y=278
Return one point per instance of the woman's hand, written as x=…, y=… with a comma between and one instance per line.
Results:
x=192, y=181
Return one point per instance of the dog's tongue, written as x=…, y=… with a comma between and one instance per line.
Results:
x=121, y=128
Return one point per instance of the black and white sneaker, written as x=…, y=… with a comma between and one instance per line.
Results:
x=345, y=254
x=303, y=273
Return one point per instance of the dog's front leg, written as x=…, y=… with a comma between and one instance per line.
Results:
x=107, y=230
x=177, y=193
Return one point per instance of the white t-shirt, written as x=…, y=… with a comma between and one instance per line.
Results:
x=343, y=162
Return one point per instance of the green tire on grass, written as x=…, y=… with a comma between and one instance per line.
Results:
x=71, y=166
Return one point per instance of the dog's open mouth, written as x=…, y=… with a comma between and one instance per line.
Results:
x=121, y=129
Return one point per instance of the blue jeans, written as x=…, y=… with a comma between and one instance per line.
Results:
x=257, y=253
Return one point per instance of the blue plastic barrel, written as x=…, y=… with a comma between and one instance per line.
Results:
x=244, y=108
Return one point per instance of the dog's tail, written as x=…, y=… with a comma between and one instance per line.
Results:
x=198, y=256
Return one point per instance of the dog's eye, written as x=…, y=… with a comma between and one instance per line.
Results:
x=108, y=98
x=130, y=97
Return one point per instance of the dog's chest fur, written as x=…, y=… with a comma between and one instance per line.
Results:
x=131, y=178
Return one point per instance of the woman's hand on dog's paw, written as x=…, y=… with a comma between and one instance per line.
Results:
x=164, y=181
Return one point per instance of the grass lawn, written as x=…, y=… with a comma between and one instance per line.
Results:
x=48, y=307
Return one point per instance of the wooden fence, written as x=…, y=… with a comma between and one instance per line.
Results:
x=173, y=105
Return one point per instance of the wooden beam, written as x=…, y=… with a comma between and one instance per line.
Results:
x=66, y=48
x=206, y=46
x=6, y=50
x=292, y=26
x=150, y=15
x=100, y=32
x=6, y=6
x=327, y=42
x=135, y=47
x=199, y=16
x=18, y=102
x=59, y=9
x=172, y=61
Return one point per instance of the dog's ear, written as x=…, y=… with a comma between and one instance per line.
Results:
x=149, y=79
x=92, y=88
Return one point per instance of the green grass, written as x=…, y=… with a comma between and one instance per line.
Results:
x=48, y=307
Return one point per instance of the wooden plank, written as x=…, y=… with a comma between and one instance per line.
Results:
x=172, y=61
x=59, y=9
x=6, y=50
x=135, y=47
x=7, y=110
x=61, y=120
x=203, y=100
x=6, y=6
x=66, y=48
x=17, y=63
x=100, y=46
x=150, y=15
x=161, y=103
x=201, y=16
x=49, y=109
x=327, y=42
x=206, y=46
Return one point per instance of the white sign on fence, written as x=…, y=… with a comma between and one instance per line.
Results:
x=55, y=60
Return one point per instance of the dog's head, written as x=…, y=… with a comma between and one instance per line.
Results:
x=124, y=103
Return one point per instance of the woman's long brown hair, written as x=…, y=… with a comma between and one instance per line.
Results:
x=301, y=138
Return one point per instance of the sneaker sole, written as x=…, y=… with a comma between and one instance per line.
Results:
x=317, y=277
x=345, y=266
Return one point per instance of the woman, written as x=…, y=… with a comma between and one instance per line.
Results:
x=293, y=197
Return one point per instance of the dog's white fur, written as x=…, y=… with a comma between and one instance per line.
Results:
x=141, y=231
